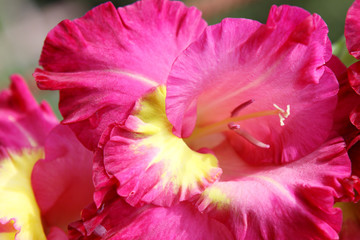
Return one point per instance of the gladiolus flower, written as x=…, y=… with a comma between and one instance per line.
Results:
x=227, y=124
x=352, y=31
x=45, y=173
x=351, y=224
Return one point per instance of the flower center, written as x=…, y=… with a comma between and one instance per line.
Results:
x=232, y=123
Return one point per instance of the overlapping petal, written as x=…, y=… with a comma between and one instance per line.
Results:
x=108, y=66
x=275, y=202
x=104, y=61
x=352, y=29
x=354, y=76
x=281, y=62
x=351, y=218
x=36, y=195
x=347, y=99
x=150, y=164
x=118, y=220
x=62, y=182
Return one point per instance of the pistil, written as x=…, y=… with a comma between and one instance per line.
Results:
x=243, y=133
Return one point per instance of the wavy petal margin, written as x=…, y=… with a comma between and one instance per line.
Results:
x=118, y=220
x=103, y=62
x=291, y=201
x=152, y=165
x=352, y=29
x=280, y=62
x=347, y=99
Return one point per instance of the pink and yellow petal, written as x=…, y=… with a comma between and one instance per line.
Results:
x=19, y=208
x=151, y=164
x=281, y=63
x=62, y=182
x=274, y=202
x=101, y=73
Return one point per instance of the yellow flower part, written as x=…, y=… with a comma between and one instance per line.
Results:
x=17, y=201
x=215, y=197
x=185, y=168
x=170, y=170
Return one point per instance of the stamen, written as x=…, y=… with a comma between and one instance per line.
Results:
x=283, y=114
x=240, y=107
x=222, y=125
x=236, y=127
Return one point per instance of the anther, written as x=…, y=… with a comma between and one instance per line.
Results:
x=241, y=107
x=282, y=113
x=236, y=128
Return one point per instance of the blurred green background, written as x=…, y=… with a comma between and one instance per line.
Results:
x=25, y=23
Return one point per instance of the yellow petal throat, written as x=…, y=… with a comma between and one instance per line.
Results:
x=18, y=207
x=185, y=170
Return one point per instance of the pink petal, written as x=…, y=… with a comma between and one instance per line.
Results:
x=352, y=29
x=354, y=80
x=280, y=202
x=337, y=67
x=279, y=63
x=355, y=115
x=102, y=181
x=23, y=123
x=56, y=234
x=62, y=182
x=118, y=220
x=354, y=76
x=347, y=100
x=152, y=165
x=104, y=61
